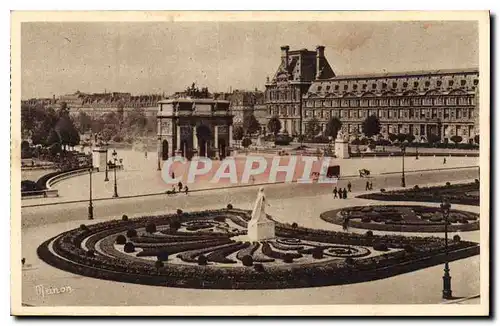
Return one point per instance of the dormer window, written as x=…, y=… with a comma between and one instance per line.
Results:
x=336, y=87
x=450, y=83
x=328, y=87
x=394, y=85
x=355, y=86
x=374, y=86
x=476, y=81
x=415, y=84
x=319, y=88
x=463, y=82
x=345, y=87
x=427, y=83
x=364, y=86
x=405, y=84
x=439, y=83
x=384, y=85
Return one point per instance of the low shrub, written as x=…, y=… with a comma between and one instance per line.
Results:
x=175, y=225
x=416, y=187
x=476, y=181
x=150, y=228
x=202, y=260
x=366, y=219
x=90, y=253
x=464, y=221
x=220, y=218
x=369, y=234
x=317, y=253
x=124, y=217
x=382, y=190
x=247, y=260
x=456, y=238
x=380, y=247
x=349, y=261
x=158, y=264
x=129, y=247
x=259, y=267
x=288, y=258
x=83, y=227
x=162, y=256
x=121, y=239
x=229, y=206
x=448, y=184
x=295, y=225
x=409, y=248
x=436, y=218
x=179, y=211
x=132, y=233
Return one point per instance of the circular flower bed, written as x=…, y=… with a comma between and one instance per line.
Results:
x=208, y=249
x=402, y=218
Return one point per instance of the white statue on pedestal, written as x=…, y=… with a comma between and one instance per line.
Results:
x=260, y=227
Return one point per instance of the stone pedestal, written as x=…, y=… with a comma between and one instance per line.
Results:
x=341, y=148
x=261, y=230
x=99, y=157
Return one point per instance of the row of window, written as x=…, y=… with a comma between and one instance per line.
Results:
x=414, y=101
x=283, y=95
x=448, y=113
x=394, y=85
x=418, y=129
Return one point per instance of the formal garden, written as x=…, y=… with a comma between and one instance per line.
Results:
x=464, y=194
x=209, y=249
x=402, y=218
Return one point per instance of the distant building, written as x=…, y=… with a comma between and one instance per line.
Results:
x=243, y=103
x=442, y=102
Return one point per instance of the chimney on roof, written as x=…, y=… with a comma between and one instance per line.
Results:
x=284, y=56
x=320, y=59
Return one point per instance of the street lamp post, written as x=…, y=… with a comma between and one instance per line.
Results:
x=445, y=209
x=115, y=194
x=106, y=169
x=403, y=151
x=91, y=207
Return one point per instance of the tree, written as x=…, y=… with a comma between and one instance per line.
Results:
x=53, y=138
x=250, y=124
x=433, y=138
x=393, y=137
x=371, y=126
x=476, y=139
x=456, y=139
x=401, y=137
x=120, y=111
x=312, y=128
x=83, y=122
x=274, y=125
x=332, y=127
x=136, y=120
x=63, y=109
x=107, y=133
x=410, y=138
x=238, y=133
x=67, y=132
x=246, y=142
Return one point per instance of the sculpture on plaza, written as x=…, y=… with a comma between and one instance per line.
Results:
x=260, y=227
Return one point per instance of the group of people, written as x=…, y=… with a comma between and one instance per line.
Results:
x=180, y=187
x=369, y=185
x=340, y=193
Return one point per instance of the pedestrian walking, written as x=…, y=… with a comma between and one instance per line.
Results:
x=349, y=186
x=145, y=154
x=340, y=193
x=186, y=190
x=367, y=187
x=335, y=192
x=173, y=189
x=371, y=185
x=345, y=193
x=444, y=160
x=180, y=186
x=173, y=175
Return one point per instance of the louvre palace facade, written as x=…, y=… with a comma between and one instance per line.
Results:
x=442, y=102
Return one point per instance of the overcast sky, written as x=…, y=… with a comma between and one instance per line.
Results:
x=61, y=58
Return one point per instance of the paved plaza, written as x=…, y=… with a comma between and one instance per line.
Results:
x=300, y=203
x=140, y=175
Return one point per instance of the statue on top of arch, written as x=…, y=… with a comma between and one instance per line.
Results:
x=194, y=92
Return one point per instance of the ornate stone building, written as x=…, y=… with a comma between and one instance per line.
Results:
x=193, y=126
x=295, y=74
x=442, y=102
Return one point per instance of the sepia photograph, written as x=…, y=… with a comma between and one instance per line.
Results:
x=250, y=163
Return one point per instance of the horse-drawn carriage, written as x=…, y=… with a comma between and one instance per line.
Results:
x=364, y=173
